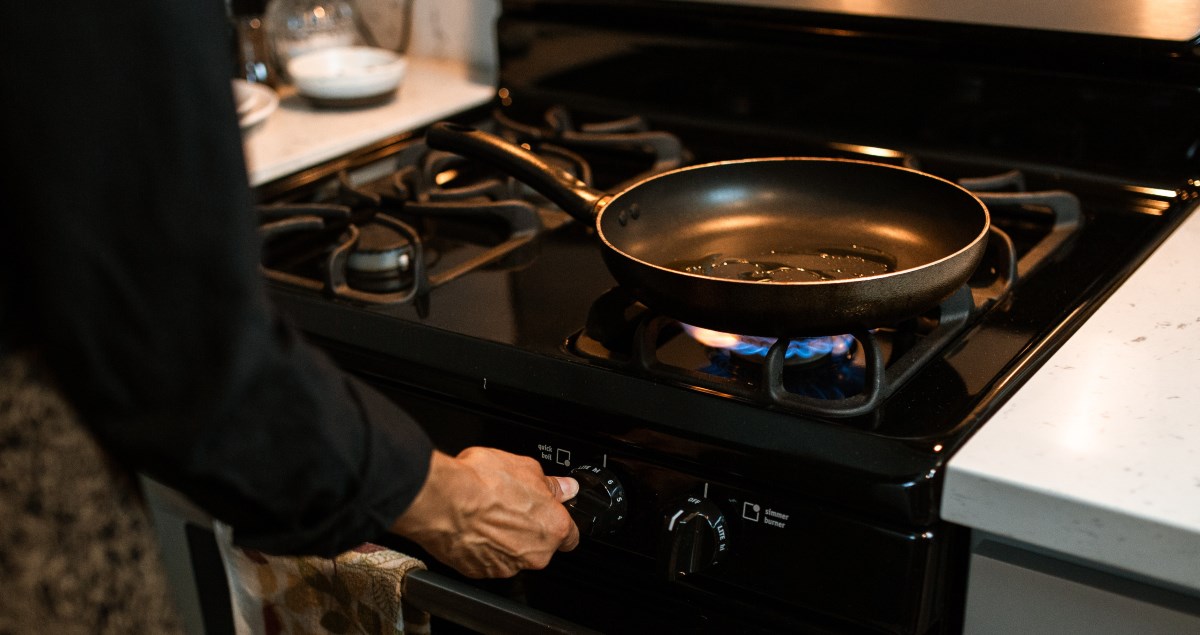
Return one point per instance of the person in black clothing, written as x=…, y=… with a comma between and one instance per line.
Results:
x=130, y=273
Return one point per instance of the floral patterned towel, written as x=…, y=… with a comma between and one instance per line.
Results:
x=355, y=592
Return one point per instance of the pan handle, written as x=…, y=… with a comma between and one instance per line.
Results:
x=574, y=196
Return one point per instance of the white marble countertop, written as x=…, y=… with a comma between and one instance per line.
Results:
x=1098, y=455
x=297, y=135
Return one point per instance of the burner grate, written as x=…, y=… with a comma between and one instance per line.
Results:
x=628, y=336
x=443, y=215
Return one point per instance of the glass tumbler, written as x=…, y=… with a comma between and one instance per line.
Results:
x=386, y=23
x=295, y=27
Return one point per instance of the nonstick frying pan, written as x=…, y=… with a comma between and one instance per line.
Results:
x=779, y=247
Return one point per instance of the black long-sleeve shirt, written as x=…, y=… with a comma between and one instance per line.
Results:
x=130, y=264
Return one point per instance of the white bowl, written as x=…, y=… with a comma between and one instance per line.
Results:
x=350, y=75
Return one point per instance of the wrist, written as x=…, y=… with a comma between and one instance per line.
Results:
x=425, y=509
x=446, y=484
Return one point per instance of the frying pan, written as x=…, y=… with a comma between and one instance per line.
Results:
x=777, y=247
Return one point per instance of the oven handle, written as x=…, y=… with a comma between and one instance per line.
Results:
x=487, y=613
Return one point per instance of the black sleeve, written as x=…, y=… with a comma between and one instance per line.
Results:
x=134, y=264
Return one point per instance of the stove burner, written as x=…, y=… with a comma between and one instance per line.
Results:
x=625, y=334
x=824, y=377
x=752, y=348
x=381, y=260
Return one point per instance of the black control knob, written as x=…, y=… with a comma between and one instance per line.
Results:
x=695, y=538
x=600, y=507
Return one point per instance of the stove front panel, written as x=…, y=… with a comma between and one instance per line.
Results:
x=783, y=561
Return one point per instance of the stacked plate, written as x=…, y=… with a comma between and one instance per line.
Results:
x=255, y=102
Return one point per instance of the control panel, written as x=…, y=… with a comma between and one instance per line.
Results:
x=646, y=516
x=684, y=523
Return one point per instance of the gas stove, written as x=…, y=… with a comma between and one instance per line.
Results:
x=739, y=483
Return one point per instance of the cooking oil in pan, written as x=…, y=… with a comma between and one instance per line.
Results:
x=793, y=266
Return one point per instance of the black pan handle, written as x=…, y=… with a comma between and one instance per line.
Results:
x=572, y=195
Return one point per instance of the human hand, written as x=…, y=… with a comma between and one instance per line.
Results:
x=490, y=514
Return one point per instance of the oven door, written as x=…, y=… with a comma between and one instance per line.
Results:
x=464, y=606
x=196, y=572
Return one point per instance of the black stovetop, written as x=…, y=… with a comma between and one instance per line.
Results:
x=505, y=337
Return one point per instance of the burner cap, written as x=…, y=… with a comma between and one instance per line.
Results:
x=381, y=260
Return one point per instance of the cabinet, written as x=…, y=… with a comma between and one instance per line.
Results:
x=1012, y=589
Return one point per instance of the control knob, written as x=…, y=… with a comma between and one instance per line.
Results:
x=600, y=507
x=695, y=538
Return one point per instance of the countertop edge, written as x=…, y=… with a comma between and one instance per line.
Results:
x=297, y=135
x=1097, y=456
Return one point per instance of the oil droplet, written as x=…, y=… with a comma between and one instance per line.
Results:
x=792, y=265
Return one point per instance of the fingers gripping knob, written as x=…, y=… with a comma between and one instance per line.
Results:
x=600, y=507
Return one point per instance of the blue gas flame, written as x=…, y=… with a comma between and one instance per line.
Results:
x=752, y=346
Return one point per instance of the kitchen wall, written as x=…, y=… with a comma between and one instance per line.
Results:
x=459, y=30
